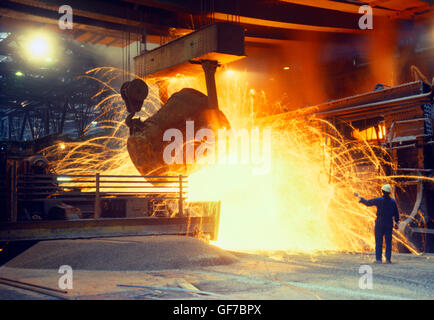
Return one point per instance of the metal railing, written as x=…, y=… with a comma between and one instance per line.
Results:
x=31, y=188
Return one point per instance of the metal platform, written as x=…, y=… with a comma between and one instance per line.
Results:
x=97, y=228
x=42, y=207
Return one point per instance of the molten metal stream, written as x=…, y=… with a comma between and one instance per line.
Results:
x=305, y=201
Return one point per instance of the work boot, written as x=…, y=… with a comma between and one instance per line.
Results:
x=388, y=262
x=378, y=262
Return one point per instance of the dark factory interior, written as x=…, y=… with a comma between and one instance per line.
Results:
x=216, y=149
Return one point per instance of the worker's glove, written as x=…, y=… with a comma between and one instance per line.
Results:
x=356, y=194
x=396, y=226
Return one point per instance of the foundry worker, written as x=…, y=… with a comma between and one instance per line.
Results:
x=386, y=211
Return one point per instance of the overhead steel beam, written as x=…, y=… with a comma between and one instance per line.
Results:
x=222, y=42
x=272, y=11
x=156, y=18
x=186, y=6
x=118, y=13
x=22, y=12
x=51, y=18
x=281, y=20
x=286, y=25
x=399, y=5
x=341, y=6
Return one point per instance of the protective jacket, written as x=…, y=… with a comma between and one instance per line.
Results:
x=386, y=209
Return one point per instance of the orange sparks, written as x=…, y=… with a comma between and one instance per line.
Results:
x=303, y=203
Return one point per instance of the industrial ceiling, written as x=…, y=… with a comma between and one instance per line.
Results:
x=121, y=22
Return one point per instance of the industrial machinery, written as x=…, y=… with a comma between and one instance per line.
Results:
x=208, y=47
x=146, y=144
x=401, y=120
x=44, y=205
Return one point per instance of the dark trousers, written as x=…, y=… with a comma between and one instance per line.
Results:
x=381, y=231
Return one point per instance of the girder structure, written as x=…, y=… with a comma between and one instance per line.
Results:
x=108, y=22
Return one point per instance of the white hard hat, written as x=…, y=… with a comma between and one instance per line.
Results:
x=386, y=188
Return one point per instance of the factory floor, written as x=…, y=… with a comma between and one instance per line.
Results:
x=170, y=267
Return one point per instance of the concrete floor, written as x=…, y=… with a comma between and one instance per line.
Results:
x=175, y=265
